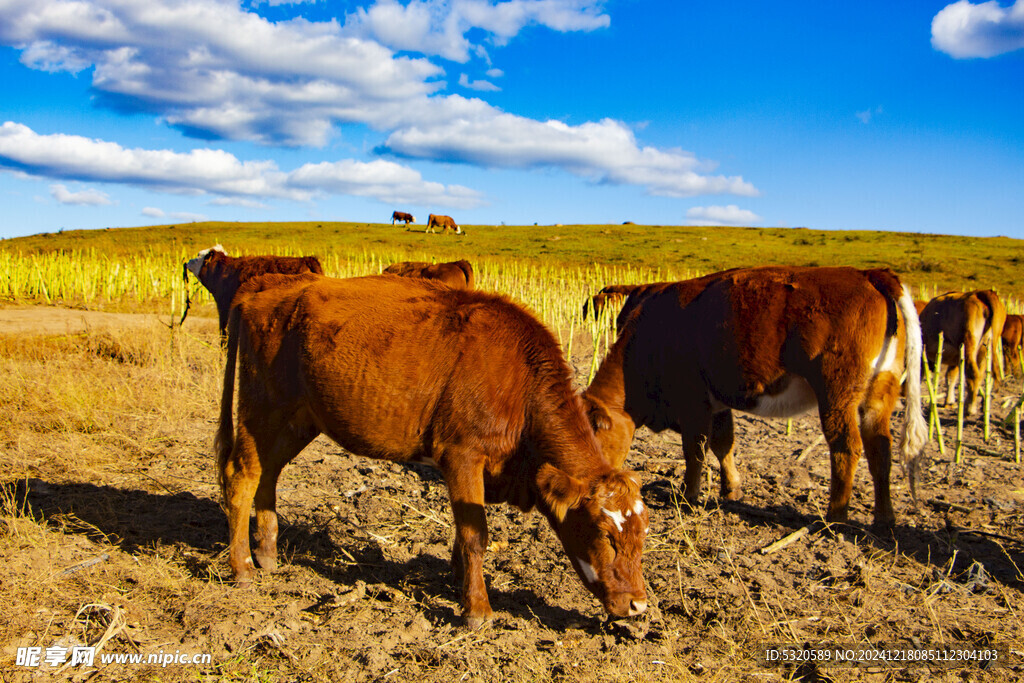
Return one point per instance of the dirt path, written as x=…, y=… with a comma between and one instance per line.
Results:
x=51, y=320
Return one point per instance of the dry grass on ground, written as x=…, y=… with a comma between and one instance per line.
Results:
x=111, y=534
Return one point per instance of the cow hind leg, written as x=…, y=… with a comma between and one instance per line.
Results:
x=875, y=414
x=842, y=433
x=284, y=446
x=240, y=474
x=722, y=443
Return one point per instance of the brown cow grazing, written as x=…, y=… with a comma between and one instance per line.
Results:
x=222, y=275
x=773, y=341
x=454, y=274
x=611, y=295
x=445, y=223
x=973, y=320
x=410, y=370
x=406, y=218
x=1013, y=330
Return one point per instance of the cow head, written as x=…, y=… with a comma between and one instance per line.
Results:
x=196, y=264
x=602, y=525
x=613, y=428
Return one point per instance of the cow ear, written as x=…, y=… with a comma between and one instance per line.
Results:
x=598, y=415
x=560, y=491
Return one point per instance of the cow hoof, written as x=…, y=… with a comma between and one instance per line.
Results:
x=732, y=495
x=476, y=623
x=267, y=562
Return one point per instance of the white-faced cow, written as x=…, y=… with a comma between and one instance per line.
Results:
x=401, y=216
x=411, y=370
x=772, y=341
x=454, y=274
x=973, y=320
x=445, y=223
x=222, y=275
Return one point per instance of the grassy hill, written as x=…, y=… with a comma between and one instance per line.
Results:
x=932, y=262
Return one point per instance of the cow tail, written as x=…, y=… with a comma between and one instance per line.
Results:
x=915, y=432
x=224, y=441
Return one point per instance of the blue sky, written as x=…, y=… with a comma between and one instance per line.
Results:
x=870, y=115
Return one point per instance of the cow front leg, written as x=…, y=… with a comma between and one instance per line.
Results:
x=722, y=444
x=466, y=489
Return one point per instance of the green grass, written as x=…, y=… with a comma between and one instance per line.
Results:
x=932, y=262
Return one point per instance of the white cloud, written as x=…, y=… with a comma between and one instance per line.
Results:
x=274, y=83
x=606, y=151
x=964, y=30
x=721, y=215
x=495, y=73
x=477, y=85
x=439, y=27
x=866, y=115
x=153, y=212
x=295, y=82
x=82, y=198
x=206, y=171
x=384, y=180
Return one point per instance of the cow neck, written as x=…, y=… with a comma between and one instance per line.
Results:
x=566, y=440
x=609, y=384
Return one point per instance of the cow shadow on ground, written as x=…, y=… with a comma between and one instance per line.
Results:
x=973, y=559
x=135, y=520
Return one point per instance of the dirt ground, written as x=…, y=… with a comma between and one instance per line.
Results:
x=128, y=554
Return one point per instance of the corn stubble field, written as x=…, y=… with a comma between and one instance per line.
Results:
x=111, y=532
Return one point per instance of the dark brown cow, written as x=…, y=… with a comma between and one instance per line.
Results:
x=454, y=274
x=410, y=370
x=973, y=320
x=773, y=341
x=445, y=223
x=1013, y=331
x=223, y=274
x=406, y=218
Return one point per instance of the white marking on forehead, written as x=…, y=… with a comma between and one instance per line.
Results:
x=616, y=516
x=196, y=264
x=587, y=569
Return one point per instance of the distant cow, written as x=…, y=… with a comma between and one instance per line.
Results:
x=454, y=274
x=445, y=223
x=1013, y=330
x=773, y=341
x=223, y=274
x=973, y=320
x=406, y=218
x=610, y=295
x=410, y=370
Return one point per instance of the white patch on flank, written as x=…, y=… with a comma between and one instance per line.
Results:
x=886, y=359
x=797, y=399
x=638, y=507
x=616, y=516
x=588, y=570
